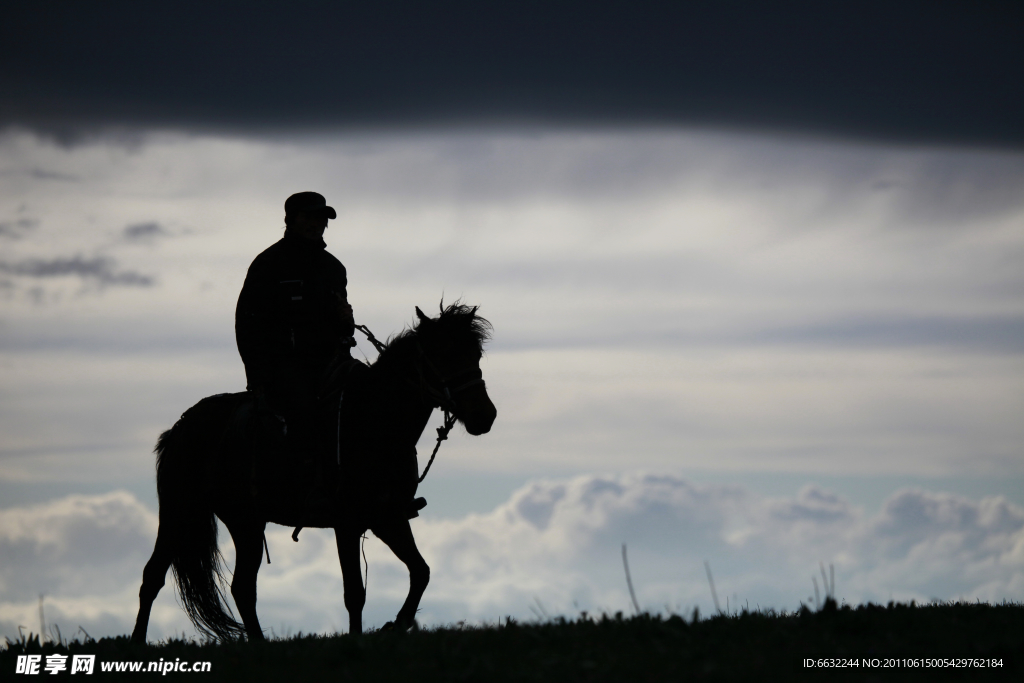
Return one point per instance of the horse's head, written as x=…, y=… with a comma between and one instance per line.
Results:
x=452, y=345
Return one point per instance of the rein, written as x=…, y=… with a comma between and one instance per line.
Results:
x=442, y=435
x=373, y=340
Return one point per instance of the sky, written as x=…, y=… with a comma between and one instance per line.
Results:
x=755, y=280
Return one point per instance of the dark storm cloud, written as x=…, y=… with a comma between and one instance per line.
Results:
x=16, y=229
x=141, y=232
x=40, y=174
x=97, y=269
x=911, y=71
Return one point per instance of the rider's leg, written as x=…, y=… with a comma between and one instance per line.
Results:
x=307, y=449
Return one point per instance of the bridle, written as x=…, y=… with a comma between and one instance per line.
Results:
x=440, y=393
x=443, y=394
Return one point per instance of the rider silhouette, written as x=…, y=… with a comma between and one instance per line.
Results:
x=292, y=320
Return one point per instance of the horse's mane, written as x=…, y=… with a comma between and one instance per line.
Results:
x=458, y=325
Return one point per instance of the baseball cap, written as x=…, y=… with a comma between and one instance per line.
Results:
x=308, y=202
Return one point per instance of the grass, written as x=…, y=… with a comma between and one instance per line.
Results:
x=742, y=646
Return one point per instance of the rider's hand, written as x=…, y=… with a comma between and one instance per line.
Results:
x=344, y=309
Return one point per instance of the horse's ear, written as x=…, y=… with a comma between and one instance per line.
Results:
x=421, y=315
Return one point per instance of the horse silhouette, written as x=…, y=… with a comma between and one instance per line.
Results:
x=211, y=465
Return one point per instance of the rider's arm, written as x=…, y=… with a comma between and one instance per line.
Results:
x=344, y=322
x=255, y=317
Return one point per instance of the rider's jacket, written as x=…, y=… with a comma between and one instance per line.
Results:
x=287, y=319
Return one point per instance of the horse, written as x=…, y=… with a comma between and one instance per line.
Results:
x=209, y=466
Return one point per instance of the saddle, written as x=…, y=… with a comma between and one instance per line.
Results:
x=305, y=462
x=296, y=453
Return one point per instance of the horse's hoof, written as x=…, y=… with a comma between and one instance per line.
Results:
x=392, y=627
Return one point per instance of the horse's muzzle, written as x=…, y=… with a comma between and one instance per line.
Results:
x=478, y=414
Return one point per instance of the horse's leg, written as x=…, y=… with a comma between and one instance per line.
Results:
x=352, y=573
x=248, y=537
x=152, y=581
x=398, y=536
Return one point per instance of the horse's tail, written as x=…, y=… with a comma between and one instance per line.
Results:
x=184, y=453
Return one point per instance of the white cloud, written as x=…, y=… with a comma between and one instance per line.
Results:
x=556, y=541
x=83, y=553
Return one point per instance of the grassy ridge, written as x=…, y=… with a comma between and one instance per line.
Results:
x=746, y=646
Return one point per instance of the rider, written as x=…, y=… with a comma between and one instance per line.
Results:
x=293, y=319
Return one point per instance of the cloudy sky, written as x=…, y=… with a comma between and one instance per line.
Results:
x=755, y=277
